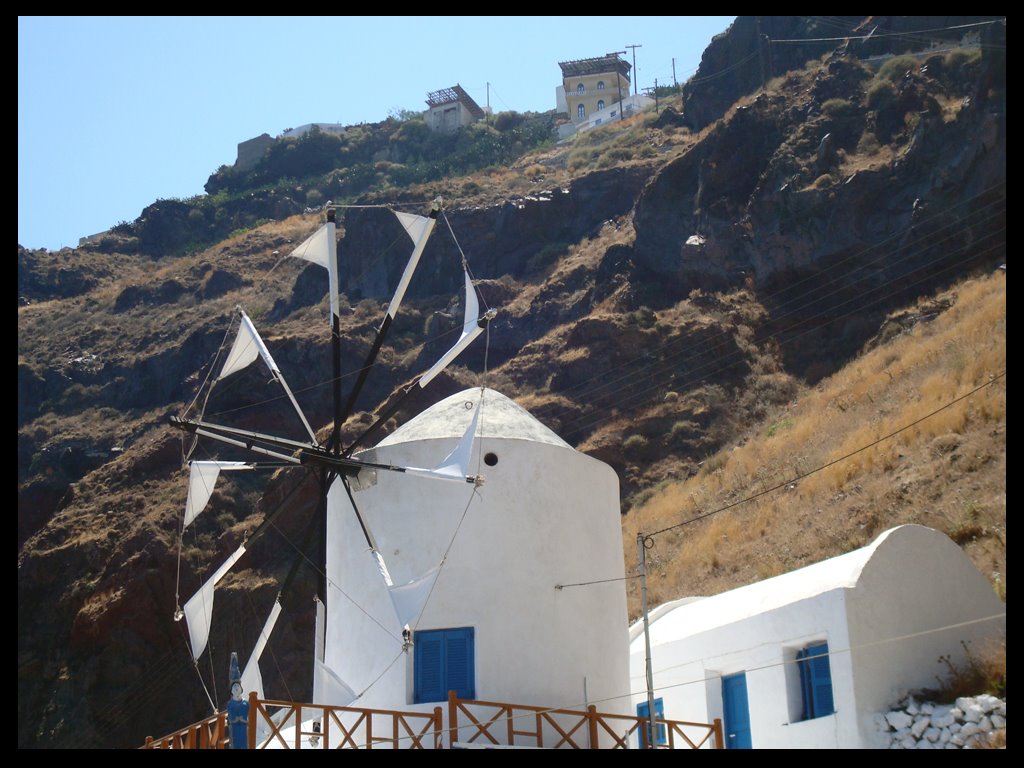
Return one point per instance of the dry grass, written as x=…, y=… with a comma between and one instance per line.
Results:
x=982, y=671
x=948, y=471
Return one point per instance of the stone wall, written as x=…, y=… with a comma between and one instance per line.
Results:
x=972, y=722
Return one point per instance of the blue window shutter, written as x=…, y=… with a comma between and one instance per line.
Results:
x=805, y=685
x=443, y=661
x=815, y=681
x=821, y=680
x=459, y=663
x=428, y=673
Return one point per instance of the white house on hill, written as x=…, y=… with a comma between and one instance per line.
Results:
x=807, y=659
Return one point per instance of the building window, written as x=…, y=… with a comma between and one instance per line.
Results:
x=600, y=104
x=581, y=111
x=580, y=90
x=642, y=710
x=443, y=661
x=815, y=681
x=600, y=85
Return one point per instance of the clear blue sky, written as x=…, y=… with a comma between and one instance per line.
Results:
x=114, y=113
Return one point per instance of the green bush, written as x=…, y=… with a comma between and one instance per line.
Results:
x=838, y=108
x=868, y=144
x=895, y=68
x=880, y=95
x=959, y=58
x=635, y=445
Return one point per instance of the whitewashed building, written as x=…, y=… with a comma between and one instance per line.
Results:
x=808, y=658
x=482, y=565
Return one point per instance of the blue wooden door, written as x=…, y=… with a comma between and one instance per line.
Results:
x=737, y=714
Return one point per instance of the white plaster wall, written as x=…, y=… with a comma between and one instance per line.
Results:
x=917, y=582
x=546, y=515
x=688, y=672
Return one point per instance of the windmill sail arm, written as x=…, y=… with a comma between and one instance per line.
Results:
x=201, y=482
x=199, y=608
x=252, y=680
x=418, y=228
x=472, y=326
x=319, y=248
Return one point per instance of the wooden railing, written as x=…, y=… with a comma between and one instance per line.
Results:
x=494, y=723
x=478, y=723
x=210, y=733
x=311, y=726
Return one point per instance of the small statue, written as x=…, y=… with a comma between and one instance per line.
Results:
x=238, y=709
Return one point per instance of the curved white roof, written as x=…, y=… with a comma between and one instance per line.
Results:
x=499, y=418
x=689, y=617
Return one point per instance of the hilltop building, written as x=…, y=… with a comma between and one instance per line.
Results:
x=452, y=108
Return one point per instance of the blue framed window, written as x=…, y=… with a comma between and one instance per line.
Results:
x=643, y=710
x=580, y=89
x=443, y=660
x=600, y=85
x=581, y=111
x=815, y=681
x=600, y=104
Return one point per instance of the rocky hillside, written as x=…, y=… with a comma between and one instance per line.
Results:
x=662, y=287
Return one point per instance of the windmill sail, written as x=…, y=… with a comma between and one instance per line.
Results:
x=418, y=228
x=201, y=482
x=252, y=680
x=247, y=347
x=455, y=465
x=199, y=608
x=410, y=598
x=319, y=249
x=471, y=328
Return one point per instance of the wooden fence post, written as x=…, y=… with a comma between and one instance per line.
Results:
x=592, y=727
x=453, y=719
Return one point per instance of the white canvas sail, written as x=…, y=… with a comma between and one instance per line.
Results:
x=470, y=330
x=319, y=249
x=410, y=598
x=418, y=228
x=248, y=345
x=329, y=688
x=455, y=465
x=199, y=608
x=252, y=680
x=202, y=479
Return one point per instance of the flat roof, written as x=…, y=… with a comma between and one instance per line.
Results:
x=595, y=66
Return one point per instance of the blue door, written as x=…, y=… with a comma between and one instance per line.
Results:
x=737, y=714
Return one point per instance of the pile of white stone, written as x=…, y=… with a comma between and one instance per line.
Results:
x=973, y=721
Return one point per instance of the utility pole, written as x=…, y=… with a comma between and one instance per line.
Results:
x=634, y=47
x=641, y=556
x=488, y=103
x=675, y=83
x=649, y=90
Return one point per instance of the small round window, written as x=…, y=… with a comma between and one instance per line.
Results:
x=490, y=459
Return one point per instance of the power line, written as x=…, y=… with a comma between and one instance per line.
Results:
x=722, y=363
x=863, y=448
x=887, y=34
x=769, y=298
